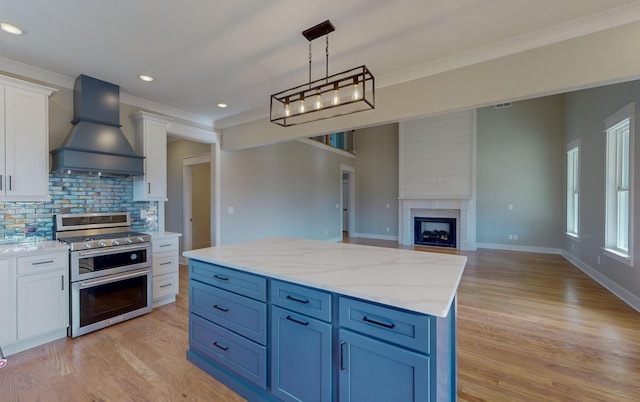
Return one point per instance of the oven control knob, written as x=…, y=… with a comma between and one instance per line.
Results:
x=102, y=243
x=128, y=240
x=140, y=239
x=115, y=243
x=87, y=245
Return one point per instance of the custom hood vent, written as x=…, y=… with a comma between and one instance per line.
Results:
x=96, y=144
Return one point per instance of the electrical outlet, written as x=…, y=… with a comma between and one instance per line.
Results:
x=231, y=210
x=598, y=260
x=510, y=206
x=510, y=237
x=388, y=229
x=515, y=237
x=143, y=214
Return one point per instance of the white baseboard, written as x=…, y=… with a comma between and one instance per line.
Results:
x=374, y=236
x=620, y=292
x=526, y=249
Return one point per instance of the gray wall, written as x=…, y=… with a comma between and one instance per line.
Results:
x=377, y=182
x=289, y=189
x=585, y=112
x=520, y=161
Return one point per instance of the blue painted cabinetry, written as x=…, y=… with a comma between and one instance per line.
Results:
x=301, y=353
x=271, y=340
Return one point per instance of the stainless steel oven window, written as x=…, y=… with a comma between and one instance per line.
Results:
x=98, y=303
x=101, y=262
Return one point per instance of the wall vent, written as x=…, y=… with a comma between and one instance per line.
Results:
x=503, y=105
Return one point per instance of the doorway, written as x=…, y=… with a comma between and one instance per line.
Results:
x=347, y=200
x=196, y=179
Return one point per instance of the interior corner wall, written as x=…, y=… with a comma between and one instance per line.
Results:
x=377, y=182
x=290, y=189
x=586, y=111
x=520, y=162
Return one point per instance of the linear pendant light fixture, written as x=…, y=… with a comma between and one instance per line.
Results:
x=334, y=95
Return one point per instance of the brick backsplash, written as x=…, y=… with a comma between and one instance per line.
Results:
x=74, y=193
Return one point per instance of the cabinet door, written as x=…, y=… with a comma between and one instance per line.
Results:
x=27, y=145
x=42, y=303
x=151, y=142
x=300, y=357
x=374, y=371
x=3, y=148
x=7, y=303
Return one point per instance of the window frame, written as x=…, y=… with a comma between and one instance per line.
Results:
x=572, y=222
x=619, y=132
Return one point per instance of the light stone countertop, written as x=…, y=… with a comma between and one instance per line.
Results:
x=155, y=235
x=413, y=280
x=31, y=247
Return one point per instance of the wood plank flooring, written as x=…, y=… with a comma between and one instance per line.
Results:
x=531, y=327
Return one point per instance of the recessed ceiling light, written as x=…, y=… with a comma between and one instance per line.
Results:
x=145, y=77
x=222, y=105
x=12, y=29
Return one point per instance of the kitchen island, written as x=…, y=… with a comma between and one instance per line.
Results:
x=304, y=320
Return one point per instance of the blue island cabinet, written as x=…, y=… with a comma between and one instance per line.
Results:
x=273, y=340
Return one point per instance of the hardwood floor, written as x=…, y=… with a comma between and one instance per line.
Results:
x=531, y=327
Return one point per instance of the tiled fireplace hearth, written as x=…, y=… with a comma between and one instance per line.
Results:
x=462, y=210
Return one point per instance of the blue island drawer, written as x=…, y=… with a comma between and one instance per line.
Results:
x=230, y=279
x=412, y=330
x=314, y=303
x=234, y=352
x=245, y=316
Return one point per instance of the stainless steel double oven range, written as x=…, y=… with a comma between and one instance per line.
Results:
x=110, y=269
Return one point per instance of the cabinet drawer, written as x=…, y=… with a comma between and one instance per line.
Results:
x=234, y=352
x=244, y=316
x=165, y=285
x=162, y=245
x=165, y=263
x=34, y=264
x=230, y=279
x=311, y=302
x=404, y=328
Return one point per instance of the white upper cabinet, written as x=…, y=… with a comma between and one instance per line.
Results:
x=24, y=140
x=151, y=142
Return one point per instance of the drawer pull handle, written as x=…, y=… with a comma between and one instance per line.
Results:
x=224, y=309
x=166, y=286
x=305, y=323
x=217, y=345
x=297, y=300
x=222, y=278
x=42, y=262
x=166, y=263
x=382, y=324
x=165, y=245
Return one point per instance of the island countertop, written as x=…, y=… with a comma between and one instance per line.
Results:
x=418, y=281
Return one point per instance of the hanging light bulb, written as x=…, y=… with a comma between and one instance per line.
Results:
x=287, y=110
x=318, y=103
x=301, y=110
x=336, y=95
x=356, y=89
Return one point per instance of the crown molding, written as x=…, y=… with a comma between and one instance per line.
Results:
x=558, y=33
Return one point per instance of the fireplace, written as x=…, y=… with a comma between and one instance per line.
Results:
x=435, y=231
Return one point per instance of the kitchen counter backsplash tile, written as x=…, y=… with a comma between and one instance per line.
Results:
x=74, y=193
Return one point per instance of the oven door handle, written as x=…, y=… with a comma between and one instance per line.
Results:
x=114, y=278
x=112, y=250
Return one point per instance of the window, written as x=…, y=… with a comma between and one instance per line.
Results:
x=573, y=191
x=619, y=130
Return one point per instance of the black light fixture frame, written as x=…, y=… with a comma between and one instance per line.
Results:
x=358, y=75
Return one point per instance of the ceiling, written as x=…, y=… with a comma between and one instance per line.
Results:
x=202, y=52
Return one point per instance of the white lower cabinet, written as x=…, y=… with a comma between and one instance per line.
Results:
x=7, y=302
x=166, y=264
x=37, y=300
